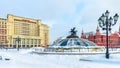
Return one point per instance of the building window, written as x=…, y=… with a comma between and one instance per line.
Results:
x=39, y=41
x=27, y=41
x=23, y=41
x=31, y=41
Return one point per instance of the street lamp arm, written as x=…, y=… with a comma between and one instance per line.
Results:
x=101, y=25
x=114, y=23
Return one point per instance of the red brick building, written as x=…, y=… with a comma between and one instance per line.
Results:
x=100, y=39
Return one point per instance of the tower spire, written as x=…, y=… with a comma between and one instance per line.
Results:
x=83, y=35
x=97, y=31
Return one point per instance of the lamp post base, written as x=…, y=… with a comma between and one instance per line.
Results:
x=107, y=55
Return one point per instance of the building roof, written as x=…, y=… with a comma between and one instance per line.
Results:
x=116, y=34
x=2, y=19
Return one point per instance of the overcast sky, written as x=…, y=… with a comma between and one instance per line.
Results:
x=62, y=15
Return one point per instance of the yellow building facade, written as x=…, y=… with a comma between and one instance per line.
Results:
x=25, y=32
x=3, y=32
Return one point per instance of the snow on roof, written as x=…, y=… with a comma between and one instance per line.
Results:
x=116, y=34
x=72, y=42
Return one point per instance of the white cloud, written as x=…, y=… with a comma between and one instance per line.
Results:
x=61, y=15
x=86, y=17
x=93, y=10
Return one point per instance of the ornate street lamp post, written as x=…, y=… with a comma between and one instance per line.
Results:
x=18, y=39
x=105, y=23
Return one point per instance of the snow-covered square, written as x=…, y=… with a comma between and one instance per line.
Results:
x=25, y=59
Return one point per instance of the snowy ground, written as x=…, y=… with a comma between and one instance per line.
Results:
x=23, y=59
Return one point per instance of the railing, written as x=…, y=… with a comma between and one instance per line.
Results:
x=78, y=51
x=92, y=49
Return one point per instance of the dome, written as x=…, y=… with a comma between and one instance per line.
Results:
x=72, y=42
